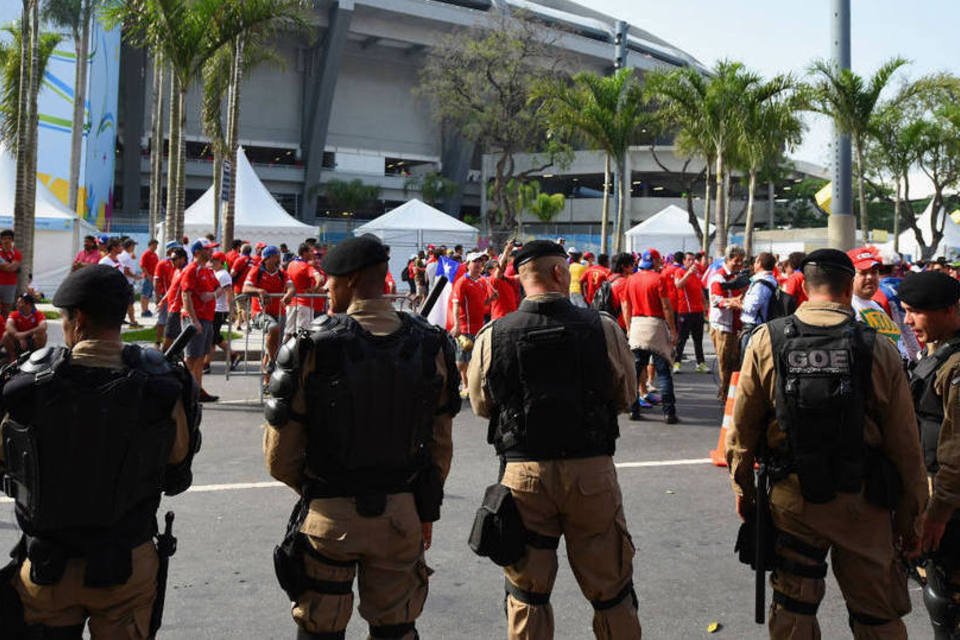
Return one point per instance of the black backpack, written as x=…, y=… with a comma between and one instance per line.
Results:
x=603, y=298
x=781, y=303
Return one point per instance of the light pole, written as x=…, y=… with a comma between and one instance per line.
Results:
x=841, y=226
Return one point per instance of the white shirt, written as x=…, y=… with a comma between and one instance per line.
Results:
x=110, y=262
x=127, y=261
x=223, y=277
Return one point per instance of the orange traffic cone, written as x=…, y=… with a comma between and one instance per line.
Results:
x=719, y=455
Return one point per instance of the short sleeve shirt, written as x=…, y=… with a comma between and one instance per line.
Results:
x=793, y=285
x=163, y=275
x=25, y=323
x=618, y=284
x=173, y=299
x=689, y=294
x=591, y=280
x=148, y=262
x=224, y=280
x=470, y=294
x=505, y=302
x=14, y=255
x=87, y=257
x=644, y=289
x=301, y=273
x=271, y=283
x=196, y=280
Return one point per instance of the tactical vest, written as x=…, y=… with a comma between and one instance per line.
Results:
x=550, y=383
x=371, y=400
x=86, y=449
x=823, y=377
x=929, y=405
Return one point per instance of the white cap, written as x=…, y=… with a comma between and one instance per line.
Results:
x=474, y=255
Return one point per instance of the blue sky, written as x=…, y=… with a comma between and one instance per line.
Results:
x=775, y=36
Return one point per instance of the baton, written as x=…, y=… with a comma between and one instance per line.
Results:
x=431, y=300
x=172, y=353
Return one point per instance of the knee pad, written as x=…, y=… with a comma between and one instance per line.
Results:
x=393, y=631
x=531, y=598
x=628, y=590
x=864, y=619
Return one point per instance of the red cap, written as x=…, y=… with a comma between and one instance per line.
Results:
x=219, y=256
x=261, y=245
x=588, y=256
x=654, y=254
x=864, y=258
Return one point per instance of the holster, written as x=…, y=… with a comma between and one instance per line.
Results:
x=881, y=486
x=498, y=532
x=428, y=494
x=11, y=608
x=745, y=547
x=288, y=555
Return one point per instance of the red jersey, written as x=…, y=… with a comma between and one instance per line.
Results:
x=232, y=256
x=471, y=295
x=88, y=257
x=389, y=284
x=669, y=272
x=25, y=323
x=591, y=280
x=506, y=300
x=689, y=294
x=173, y=298
x=196, y=280
x=618, y=283
x=163, y=275
x=14, y=255
x=319, y=304
x=148, y=262
x=644, y=289
x=275, y=282
x=301, y=274
x=238, y=271
x=794, y=286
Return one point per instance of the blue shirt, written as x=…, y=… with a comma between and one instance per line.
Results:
x=757, y=298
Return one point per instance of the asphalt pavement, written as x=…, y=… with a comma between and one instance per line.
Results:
x=679, y=509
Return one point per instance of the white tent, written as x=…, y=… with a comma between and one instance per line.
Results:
x=59, y=233
x=667, y=231
x=411, y=227
x=258, y=216
x=949, y=245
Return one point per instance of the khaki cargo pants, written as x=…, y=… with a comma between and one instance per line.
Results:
x=579, y=500
x=859, y=539
x=115, y=613
x=727, y=347
x=385, y=553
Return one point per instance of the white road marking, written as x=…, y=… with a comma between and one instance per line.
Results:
x=239, y=486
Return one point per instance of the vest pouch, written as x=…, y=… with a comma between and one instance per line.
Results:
x=288, y=555
x=23, y=469
x=816, y=478
x=929, y=439
x=48, y=561
x=498, y=532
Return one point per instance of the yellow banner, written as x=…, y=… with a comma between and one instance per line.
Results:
x=955, y=216
x=824, y=197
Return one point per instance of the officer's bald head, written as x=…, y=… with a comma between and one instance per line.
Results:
x=547, y=274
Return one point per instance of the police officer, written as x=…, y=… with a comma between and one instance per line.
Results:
x=359, y=424
x=930, y=302
x=92, y=434
x=555, y=425
x=827, y=405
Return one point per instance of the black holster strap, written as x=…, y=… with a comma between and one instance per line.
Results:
x=329, y=587
x=540, y=541
x=303, y=634
x=866, y=620
x=816, y=571
x=801, y=547
x=392, y=631
x=603, y=605
x=43, y=632
x=795, y=606
x=319, y=557
x=526, y=597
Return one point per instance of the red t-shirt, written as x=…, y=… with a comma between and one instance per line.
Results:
x=88, y=257
x=25, y=323
x=618, y=283
x=14, y=255
x=669, y=273
x=174, y=301
x=470, y=294
x=301, y=274
x=643, y=291
x=232, y=255
x=196, y=280
x=689, y=294
x=506, y=300
x=389, y=284
x=148, y=262
x=163, y=275
x=271, y=283
x=591, y=280
x=319, y=304
x=238, y=270
x=794, y=286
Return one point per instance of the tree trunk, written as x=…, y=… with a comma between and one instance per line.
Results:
x=25, y=242
x=156, y=143
x=82, y=46
x=22, y=141
x=861, y=194
x=748, y=230
x=605, y=210
x=173, y=160
x=182, y=163
x=721, y=206
x=621, y=203
x=706, y=210
x=233, y=139
x=896, y=216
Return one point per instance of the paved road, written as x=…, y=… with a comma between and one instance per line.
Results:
x=681, y=517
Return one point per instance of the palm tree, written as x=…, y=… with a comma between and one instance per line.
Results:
x=76, y=16
x=850, y=101
x=893, y=155
x=770, y=125
x=156, y=141
x=546, y=206
x=604, y=112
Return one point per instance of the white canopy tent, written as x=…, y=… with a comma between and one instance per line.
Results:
x=59, y=233
x=949, y=245
x=667, y=231
x=258, y=216
x=412, y=226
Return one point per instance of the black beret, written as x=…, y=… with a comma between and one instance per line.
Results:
x=98, y=288
x=829, y=259
x=354, y=254
x=929, y=290
x=537, y=249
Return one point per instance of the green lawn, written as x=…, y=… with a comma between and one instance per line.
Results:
x=150, y=334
